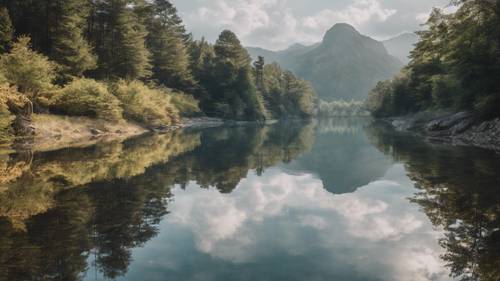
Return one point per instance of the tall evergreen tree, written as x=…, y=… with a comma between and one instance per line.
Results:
x=6, y=29
x=70, y=48
x=166, y=41
x=119, y=37
x=232, y=88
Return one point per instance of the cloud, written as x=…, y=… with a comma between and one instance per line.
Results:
x=358, y=13
x=375, y=231
x=273, y=23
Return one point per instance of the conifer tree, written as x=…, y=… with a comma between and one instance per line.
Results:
x=167, y=42
x=232, y=90
x=6, y=29
x=121, y=45
x=70, y=48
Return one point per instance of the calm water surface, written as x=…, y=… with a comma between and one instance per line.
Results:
x=331, y=200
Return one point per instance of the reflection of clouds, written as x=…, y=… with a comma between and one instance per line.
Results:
x=372, y=230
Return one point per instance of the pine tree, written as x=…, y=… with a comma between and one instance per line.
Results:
x=119, y=36
x=167, y=42
x=6, y=29
x=131, y=59
x=70, y=48
x=232, y=89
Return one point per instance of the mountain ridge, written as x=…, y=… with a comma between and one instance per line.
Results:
x=344, y=65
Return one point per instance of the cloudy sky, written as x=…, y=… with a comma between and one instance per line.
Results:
x=276, y=24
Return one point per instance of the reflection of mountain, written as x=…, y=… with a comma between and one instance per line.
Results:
x=57, y=208
x=459, y=193
x=342, y=157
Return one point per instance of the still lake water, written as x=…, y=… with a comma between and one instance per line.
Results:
x=339, y=200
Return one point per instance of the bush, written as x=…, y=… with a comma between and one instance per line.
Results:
x=8, y=95
x=87, y=97
x=187, y=105
x=30, y=71
x=145, y=105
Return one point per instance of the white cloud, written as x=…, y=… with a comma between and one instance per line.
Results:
x=374, y=229
x=358, y=13
x=273, y=24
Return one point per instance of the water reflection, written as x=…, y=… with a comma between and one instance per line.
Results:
x=343, y=157
x=459, y=191
x=291, y=201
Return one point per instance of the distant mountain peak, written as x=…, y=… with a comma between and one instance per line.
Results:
x=340, y=30
x=296, y=46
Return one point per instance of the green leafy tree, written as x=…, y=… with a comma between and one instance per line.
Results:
x=286, y=95
x=455, y=65
x=6, y=29
x=30, y=71
x=70, y=48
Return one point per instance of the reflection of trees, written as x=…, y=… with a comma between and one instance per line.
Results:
x=227, y=154
x=31, y=190
x=460, y=193
x=50, y=230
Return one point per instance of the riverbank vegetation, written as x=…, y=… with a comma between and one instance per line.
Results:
x=124, y=60
x=454, y=66
x=342, y=108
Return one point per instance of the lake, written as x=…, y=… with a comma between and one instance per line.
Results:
x=343, y=199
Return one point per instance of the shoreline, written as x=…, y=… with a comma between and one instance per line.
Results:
x=54, y=132
x=456, y=129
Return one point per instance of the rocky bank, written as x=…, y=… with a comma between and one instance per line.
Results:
x=463, y=128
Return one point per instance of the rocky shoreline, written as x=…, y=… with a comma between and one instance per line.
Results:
x=463, y=128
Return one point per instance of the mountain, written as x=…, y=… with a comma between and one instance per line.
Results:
x=401, y=46
x=345, y=65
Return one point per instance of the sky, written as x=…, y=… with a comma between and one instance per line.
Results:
x=277, y=24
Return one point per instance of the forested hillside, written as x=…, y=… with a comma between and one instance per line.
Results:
x=132, y=60
x=455, y=65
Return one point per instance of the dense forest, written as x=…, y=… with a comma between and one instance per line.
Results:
x=132, y=60
x=454, y=66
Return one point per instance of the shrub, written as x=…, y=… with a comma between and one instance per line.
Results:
x=87, y=97
x=186, y=104
x=30, y=71
x=8, y=95
x=145, y=105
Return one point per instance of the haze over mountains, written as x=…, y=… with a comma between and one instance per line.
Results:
x=345, y=65
x=401, y=46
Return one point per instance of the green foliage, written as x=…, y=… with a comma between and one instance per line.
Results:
x=70, y=49
x=87, y=97
x=167, y=42
x=145, y=105
x=186, y=104
x=455, y=65
x=342, y=108
x=6, y=29
x=230, y=90
x=30, y=71
x=9, y=96
x=285, y=95
x=121, y=46
x=138, y=40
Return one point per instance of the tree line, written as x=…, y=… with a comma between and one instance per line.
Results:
x=454, y=66
x=143, y=46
